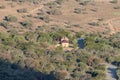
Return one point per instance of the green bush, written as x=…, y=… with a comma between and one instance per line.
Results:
x=116, y=7
x=11, y=18
x=5, y=24
x=27, y=23
x=115, y=40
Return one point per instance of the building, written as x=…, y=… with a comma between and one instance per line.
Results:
x=64, y=42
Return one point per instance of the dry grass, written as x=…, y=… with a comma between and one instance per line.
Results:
x=93, y=11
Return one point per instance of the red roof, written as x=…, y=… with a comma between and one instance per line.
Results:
x=65, y=41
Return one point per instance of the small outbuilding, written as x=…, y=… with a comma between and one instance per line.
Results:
x=64, y=42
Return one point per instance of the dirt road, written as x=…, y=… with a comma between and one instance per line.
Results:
x=112, y=28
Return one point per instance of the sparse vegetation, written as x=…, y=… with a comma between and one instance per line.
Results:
x=27, y=23
x=2, y=7
x=113, y=1
x=54, y=12
x=11, y=18
x=4, y=24
x=94, y=23
x=116, y=7
x=32, y=34
x=118, y=73
x=77, y=10
x=23, y=10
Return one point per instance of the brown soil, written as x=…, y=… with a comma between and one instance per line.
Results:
x=104, y=9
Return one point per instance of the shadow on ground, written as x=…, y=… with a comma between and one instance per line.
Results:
x=12, y=71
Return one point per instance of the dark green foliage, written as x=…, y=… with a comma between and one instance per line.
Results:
x=35, y=50
x=44, y=37
x=6, y=68
x=93, y=43
x=31, y=36
x=101, y=67
x=8, y=41
x=94, y=23
x=9, y=71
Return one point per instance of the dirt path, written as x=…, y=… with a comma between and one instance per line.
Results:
x=40, y=7
x=111, y=72
x=34, y=10
x=112, y=28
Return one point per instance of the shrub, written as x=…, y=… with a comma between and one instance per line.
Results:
x=2, y=7
x=41, y=12
x=118, y=73
x=52, y=5
x=101, y=67
x=4, y=24
x=113, y=1
x=82, y=66
x=94, y=23
x=97, y=75
x=45, y=18
x=30, y=36
x=116, y=7
x=115, y=40
x=77, y=10
x=8, y=41
x=83, y=2
x=23, y=10
x=11, y=18
x=59, y=75
x=27, y=23
x=54, y=12
x=59, y=1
